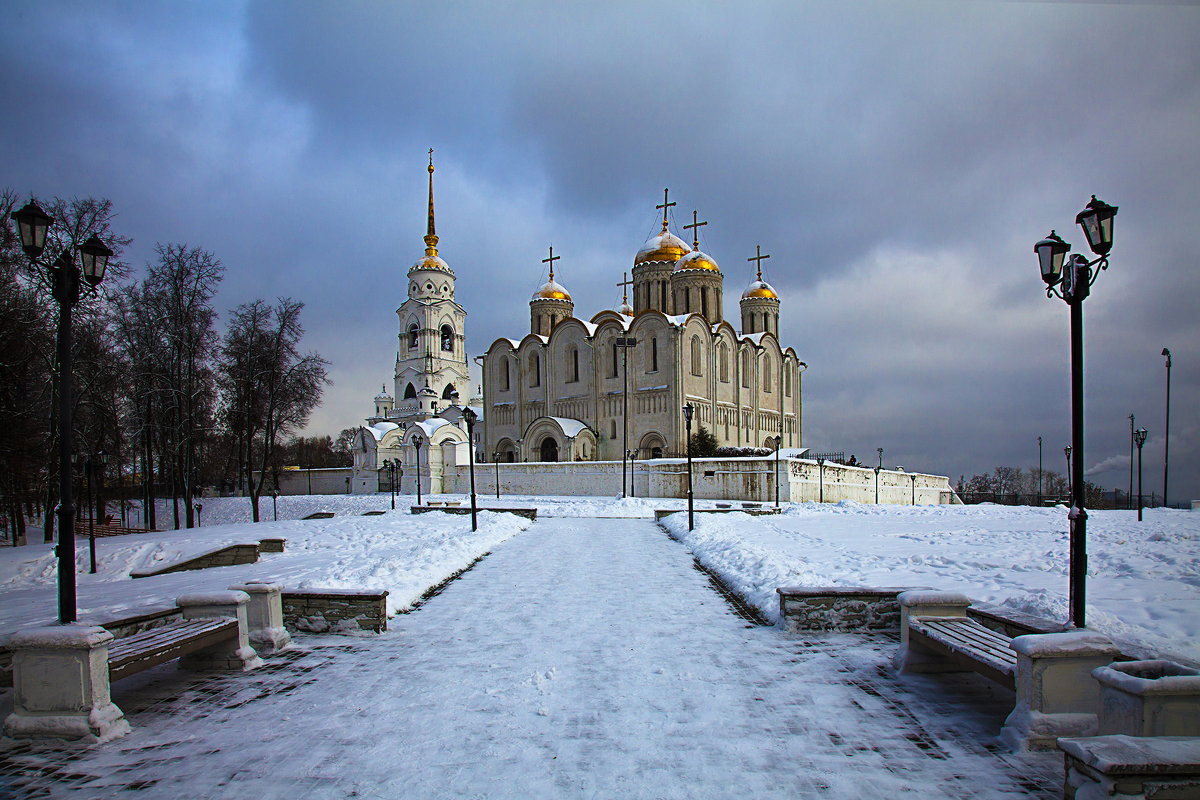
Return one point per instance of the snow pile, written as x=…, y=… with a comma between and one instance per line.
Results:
x=399, y=552
x=1143, y=579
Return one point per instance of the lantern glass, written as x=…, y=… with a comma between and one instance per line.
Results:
x=1050, y=252
x=32, y=224
x=1096, y=219
x=1139, y=436
x=687, y=413
x=94, y=254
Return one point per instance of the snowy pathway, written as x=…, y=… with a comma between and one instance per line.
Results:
x=578, y=660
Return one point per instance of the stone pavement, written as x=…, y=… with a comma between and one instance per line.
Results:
x=583, y=658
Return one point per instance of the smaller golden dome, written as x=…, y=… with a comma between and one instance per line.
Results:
x=551, y=290
x=664, y=246
x=696, y=260
x=759, y=288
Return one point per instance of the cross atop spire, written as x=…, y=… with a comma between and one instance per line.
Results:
x=695, y=228
x=665, y=205
x=625, y=284
x=431, y=238
x=551, y=261
x=758, y=257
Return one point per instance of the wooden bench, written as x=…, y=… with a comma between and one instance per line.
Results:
x=61, y=674
x=1050, y=672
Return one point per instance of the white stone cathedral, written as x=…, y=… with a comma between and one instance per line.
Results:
x=590, y=390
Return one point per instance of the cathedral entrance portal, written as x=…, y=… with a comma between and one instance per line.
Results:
x=549, y=449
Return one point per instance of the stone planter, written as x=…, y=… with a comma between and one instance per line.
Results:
x=1149, y=698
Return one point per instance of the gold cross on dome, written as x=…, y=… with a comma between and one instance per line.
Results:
x=758, y=257
x=665, y=205
x=551, y=261
x=695, y=229
x=625, y=284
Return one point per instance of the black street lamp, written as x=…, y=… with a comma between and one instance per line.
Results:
x=687, y=418
x=778, y=440
x=877, y=482
x=1139, y=436
x=821, y=480
x=1167, y=442
x=416, y=440
x=390, y=466
x=1129, y=499
x=199, y=508
x=880, y=451
x=913, y=478
x=1072, y=282
x=67, y=280
x=632, y=456
x=90, y=468
x=470, y=416
x=496, y=461
x=1039, y=472
x=624, y=342
x=275, y=504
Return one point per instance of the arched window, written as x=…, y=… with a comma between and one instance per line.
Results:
x=412, y=336
x=653, y=354
x=613, y=372
x=449, y=390
x=574, y=366
x=703, y=302
x=696, y=356
x=410, y=392
x=766, y=374
x=787, y=379
x=724, y=359
x=535, y=370
x=448, y=338
x=502, y=368
x=746, y=369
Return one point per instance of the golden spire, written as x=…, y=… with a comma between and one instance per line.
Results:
x=551, y=261
x=758, y=257
x=431, y=238
x=665, y=205
x=695, y=226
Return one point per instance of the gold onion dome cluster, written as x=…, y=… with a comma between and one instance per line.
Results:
x=664, y=246
x=551, y=290
x=759, y=288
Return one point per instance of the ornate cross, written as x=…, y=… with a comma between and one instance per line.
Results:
x=695, y=228
x=551, y=261
x=758, y=257
x=625, y=284
x=665, y=205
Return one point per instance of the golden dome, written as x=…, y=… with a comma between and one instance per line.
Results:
x=664, y=246
x=696, y=260
x=431, y=262
x=759, y=288
x=550, y=290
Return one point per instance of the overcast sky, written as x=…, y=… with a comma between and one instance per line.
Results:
x=896, y=160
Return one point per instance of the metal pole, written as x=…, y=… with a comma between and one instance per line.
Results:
x=1078, y=515
x=691, y=519
x=877, y=484
x=1039, y=471
x=66, y=285
x=821, y=479
x=778, y=441
x=471, y=468
x=1167, y=441
x=91, y=518
x=1129, y=498
x=1139, y=482
x=624, y=413
x=496, y=461
x=417, y=445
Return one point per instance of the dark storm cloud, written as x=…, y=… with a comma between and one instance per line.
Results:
x=897, y=161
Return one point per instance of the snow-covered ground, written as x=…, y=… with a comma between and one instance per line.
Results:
x=1143, y=583
x=1143, y=578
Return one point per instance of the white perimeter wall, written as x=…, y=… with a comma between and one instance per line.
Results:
x=800, y=480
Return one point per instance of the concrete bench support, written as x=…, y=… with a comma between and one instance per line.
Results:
x=1131, y=767
x=264, y=617
x=234, y=654
x=912, y=657
x=61, y=685
x=1055, y=693
x=1149, y=698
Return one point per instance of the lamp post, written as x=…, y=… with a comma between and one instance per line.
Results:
x=687, y=418
x=496, y=461
x=390, y=466
x=470, y=416
x=632, y=456
x=416, y=440
x=913, y=478
x=624, y=342
x=1072, y=282
x=880, y=451
x=1129, y=497
x=1139, y=436
x=67, y=280
x=1167, y=442
x=199, y=508
x=275, y=504
x=877, y=483
x=821, y=480
x=778, y=442
x=90, y=468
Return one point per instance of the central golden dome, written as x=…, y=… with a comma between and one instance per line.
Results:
x=551, y=290
x=696, y=260
x=664, y=246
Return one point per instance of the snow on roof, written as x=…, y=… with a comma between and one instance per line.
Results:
x=428, y=426
x=753, y=337
x=380, y=428
x=570, y=427
x=589, y=327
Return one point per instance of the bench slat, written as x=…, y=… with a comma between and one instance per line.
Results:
x=968, y=643
x=160, y=645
